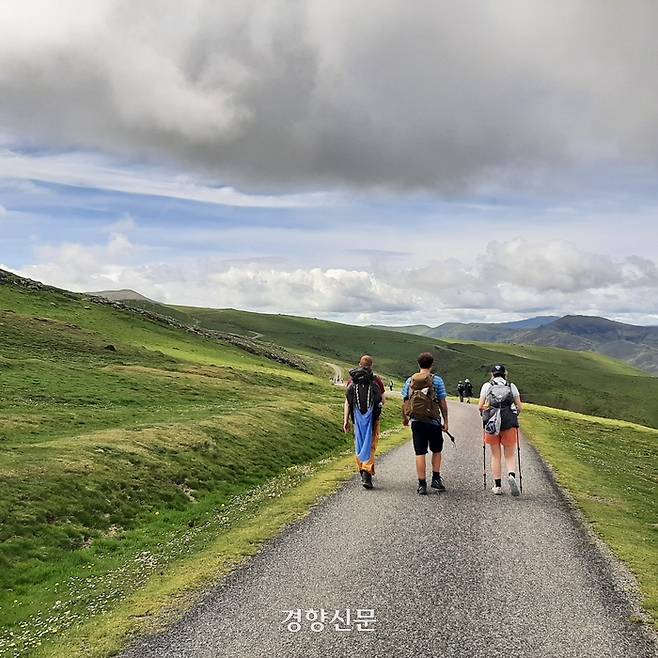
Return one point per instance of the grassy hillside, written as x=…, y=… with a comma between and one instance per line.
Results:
x=114, y=462
x=610, y=469
x=582, y=382
x=489, y=332
x=416, y=329
x=128, y=445
x=637, y=345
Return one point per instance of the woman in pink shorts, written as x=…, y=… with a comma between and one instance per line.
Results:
x=500, y=405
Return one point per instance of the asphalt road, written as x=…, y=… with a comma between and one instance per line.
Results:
x=461, y=574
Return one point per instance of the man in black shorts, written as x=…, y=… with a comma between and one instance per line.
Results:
x=424, y=396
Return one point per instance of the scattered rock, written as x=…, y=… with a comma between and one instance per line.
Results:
x=110, y=348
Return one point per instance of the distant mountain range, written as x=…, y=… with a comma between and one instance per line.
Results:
x=631, y=343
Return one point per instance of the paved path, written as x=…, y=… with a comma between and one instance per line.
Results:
x=461, y=574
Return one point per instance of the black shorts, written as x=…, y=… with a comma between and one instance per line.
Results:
x=424, y=435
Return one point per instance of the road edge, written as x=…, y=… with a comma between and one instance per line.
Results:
x=168, y=596
x=623, y=579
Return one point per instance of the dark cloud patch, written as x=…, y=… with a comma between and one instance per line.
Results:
x=285, y=94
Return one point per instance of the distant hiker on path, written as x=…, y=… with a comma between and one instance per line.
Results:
x=460, y=390
x=468, y=390
x=390, y=384
x=500, y=405
x=364, y=399
x=424, y=396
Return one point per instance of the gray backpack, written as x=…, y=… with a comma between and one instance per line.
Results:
x=499, y=414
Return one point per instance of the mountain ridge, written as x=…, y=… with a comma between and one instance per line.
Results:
x=635, y=344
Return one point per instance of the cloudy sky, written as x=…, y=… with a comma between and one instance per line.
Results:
x=374, y=161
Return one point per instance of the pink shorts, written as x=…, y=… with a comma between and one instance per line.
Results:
x=505, y=438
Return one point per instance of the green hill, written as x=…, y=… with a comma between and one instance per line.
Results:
x=485, y=331
x=637, y=345
x=579, y=381
x=120, y=438
x=416, y=329
x=609, y=468
x=124, y=430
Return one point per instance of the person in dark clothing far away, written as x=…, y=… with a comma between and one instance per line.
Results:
x=364, y=399
x=424, y=406
x=460, y=390
x=468, y=390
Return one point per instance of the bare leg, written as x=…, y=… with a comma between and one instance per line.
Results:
x=420, y=467
x=510, y=458
x=495, y=460
x=436, y=462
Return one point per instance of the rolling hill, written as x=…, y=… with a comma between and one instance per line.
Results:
x=130, y=436
x=637, y=345
x=484, y=331
x=121, y=436
x=120, y=295
x=579, y=381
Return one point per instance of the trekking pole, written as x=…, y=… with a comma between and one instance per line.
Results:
x=484, y=462
x=452, y=438
x=518, y=458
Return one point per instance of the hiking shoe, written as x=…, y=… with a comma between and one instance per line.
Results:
x=497, y=491
x=513, y=486
x=366, y=480
x=422, y=490
x=437, y=483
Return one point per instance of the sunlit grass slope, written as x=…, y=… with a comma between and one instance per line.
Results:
x=106, y=455
x=578, y=381
x=611, y=469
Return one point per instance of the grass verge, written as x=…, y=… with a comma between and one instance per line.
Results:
x=168, y=593
x=609, y=468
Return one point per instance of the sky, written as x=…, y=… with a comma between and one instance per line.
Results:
x=374, y=162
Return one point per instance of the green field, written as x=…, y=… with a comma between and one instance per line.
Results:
x=578, y=381
x=114, y=463
x=609, y=467
x=118, y=464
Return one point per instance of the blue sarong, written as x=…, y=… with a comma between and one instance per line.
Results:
x=363, y=434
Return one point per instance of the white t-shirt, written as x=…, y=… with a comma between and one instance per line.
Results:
x=484, y=391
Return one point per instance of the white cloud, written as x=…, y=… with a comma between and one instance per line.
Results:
x=508, y=280
x=3, y=211
x=119, y=246
x=94, y=171
x=561, y=266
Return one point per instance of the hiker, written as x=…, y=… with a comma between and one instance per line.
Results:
x=424, y=405
x=364, y=399
x=468, y=390
x=390, y=384
x=460, y=390
x=500, y=405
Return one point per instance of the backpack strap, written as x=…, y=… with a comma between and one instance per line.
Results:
x=357, y=401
